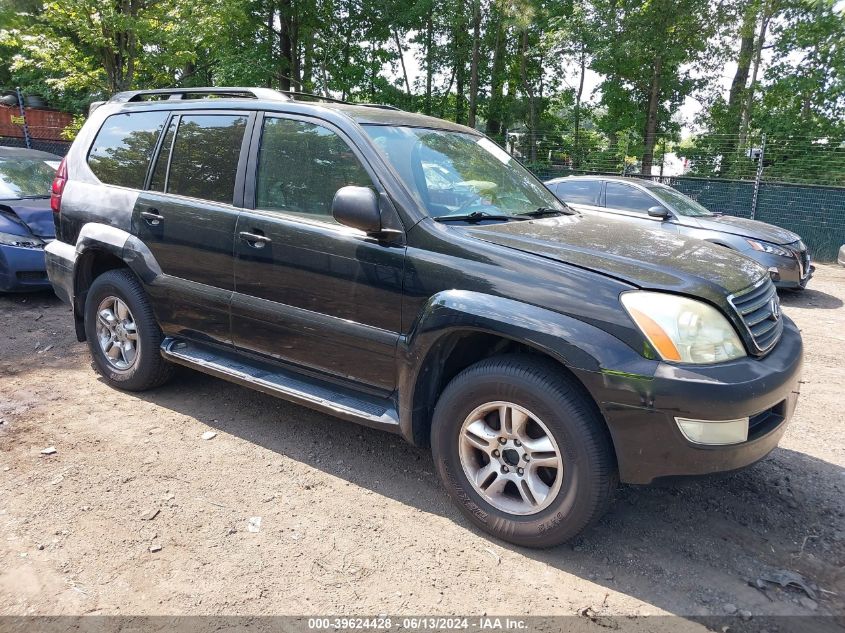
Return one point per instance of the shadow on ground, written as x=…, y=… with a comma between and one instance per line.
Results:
x=784, y=513
x=809, y=299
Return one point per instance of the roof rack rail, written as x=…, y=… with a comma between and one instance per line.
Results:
x=294, y=93
x=177, y=94
x=182, y=93
x=381, y=106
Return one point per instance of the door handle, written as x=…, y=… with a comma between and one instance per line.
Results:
x=152, y=217
x=254, y=240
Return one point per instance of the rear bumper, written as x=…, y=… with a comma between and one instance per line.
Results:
x=22, y=269
x=641, y=412
x=60, y=259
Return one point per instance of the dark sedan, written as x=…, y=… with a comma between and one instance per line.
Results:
x=26, y=222
x=655, y=205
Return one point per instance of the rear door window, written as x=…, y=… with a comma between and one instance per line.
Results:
x=121, y=152
x=625, y=197
x=579, y=191
x=204, y=157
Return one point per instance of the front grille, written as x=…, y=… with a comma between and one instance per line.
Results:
x=759, y=308
x=802, y=256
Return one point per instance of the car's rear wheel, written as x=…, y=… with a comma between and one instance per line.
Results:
x=522, y=450
x=122, y=333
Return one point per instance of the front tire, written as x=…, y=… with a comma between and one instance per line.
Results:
x=122, y=333
x=522, y=451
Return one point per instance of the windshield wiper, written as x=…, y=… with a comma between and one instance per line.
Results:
x=475, y=216
x=39, y=196
x=546, y=212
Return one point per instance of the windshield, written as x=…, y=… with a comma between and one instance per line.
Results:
x=456, y=174
x=25, y=178
x=679, y=203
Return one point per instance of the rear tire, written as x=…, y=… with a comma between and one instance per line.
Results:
x=538, y=479
x=122, y=333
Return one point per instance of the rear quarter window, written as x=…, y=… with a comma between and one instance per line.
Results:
x=579, y=191
x=121, y=152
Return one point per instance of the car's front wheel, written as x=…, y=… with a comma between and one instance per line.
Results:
x=522, y=451
x=122, y=333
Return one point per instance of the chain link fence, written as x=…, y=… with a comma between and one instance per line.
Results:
x=797, y=183
x=59, y=148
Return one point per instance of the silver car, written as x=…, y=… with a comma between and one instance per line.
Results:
x=652, y=204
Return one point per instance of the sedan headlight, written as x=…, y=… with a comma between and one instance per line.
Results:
x=21, y=241
x=768, y=247
x=682, y=329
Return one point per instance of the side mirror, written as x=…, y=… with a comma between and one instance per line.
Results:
x=658, y=212
x=357, y=207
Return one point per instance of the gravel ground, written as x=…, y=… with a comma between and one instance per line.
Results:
x=288, y=511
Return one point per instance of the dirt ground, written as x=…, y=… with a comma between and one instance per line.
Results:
x=353, y=521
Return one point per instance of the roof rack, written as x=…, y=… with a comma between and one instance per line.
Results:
x=177, y=94
x=182, y=93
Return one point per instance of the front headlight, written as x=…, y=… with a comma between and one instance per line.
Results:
x=21, y=241
x=683, y=330
x=768, y=247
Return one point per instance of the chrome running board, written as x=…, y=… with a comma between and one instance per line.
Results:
x=288, y=384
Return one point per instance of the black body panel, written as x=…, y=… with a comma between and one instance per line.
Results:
x=273, y=294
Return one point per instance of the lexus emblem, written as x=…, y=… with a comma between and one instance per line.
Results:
x=775, y=304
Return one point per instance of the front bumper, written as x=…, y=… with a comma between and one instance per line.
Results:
x=641, y=411
x=22, y=269
x=60, y=259
x=787, y=272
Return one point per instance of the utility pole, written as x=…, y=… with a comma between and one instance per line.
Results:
x=759, y=175
x=23, y=116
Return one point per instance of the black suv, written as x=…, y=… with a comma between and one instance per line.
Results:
x=406, y=273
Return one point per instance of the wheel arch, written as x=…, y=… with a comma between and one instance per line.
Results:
x=101, y=248
x=457, y=329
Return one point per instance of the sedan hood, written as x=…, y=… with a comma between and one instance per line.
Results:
x=647, y=258
x=35, y=214
x=746, y=228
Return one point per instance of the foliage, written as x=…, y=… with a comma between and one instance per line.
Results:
x=513, y=68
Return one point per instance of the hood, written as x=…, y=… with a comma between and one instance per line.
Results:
x=35, y=214
x=746, y=228
x=647, y=258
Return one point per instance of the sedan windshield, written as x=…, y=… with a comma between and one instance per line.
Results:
x=25, y=178
x=454, y=174
x=679, y=203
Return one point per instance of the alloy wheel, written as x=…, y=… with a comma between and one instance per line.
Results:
x=510, y=458
x=117, y=333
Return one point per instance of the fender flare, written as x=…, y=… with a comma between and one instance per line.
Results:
x=581, y=348
x=95, y=237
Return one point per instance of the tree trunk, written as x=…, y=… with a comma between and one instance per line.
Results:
x=768, y=10
x=651, y=117
x=529, y=92
x=743, y=61
x=308, y=62
x=497, y=82
x=271, y=39
x=286, y=64
x=429, y=59
x=460, y=81
x=402, y=60
x=473, y=72
x=576, y=151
